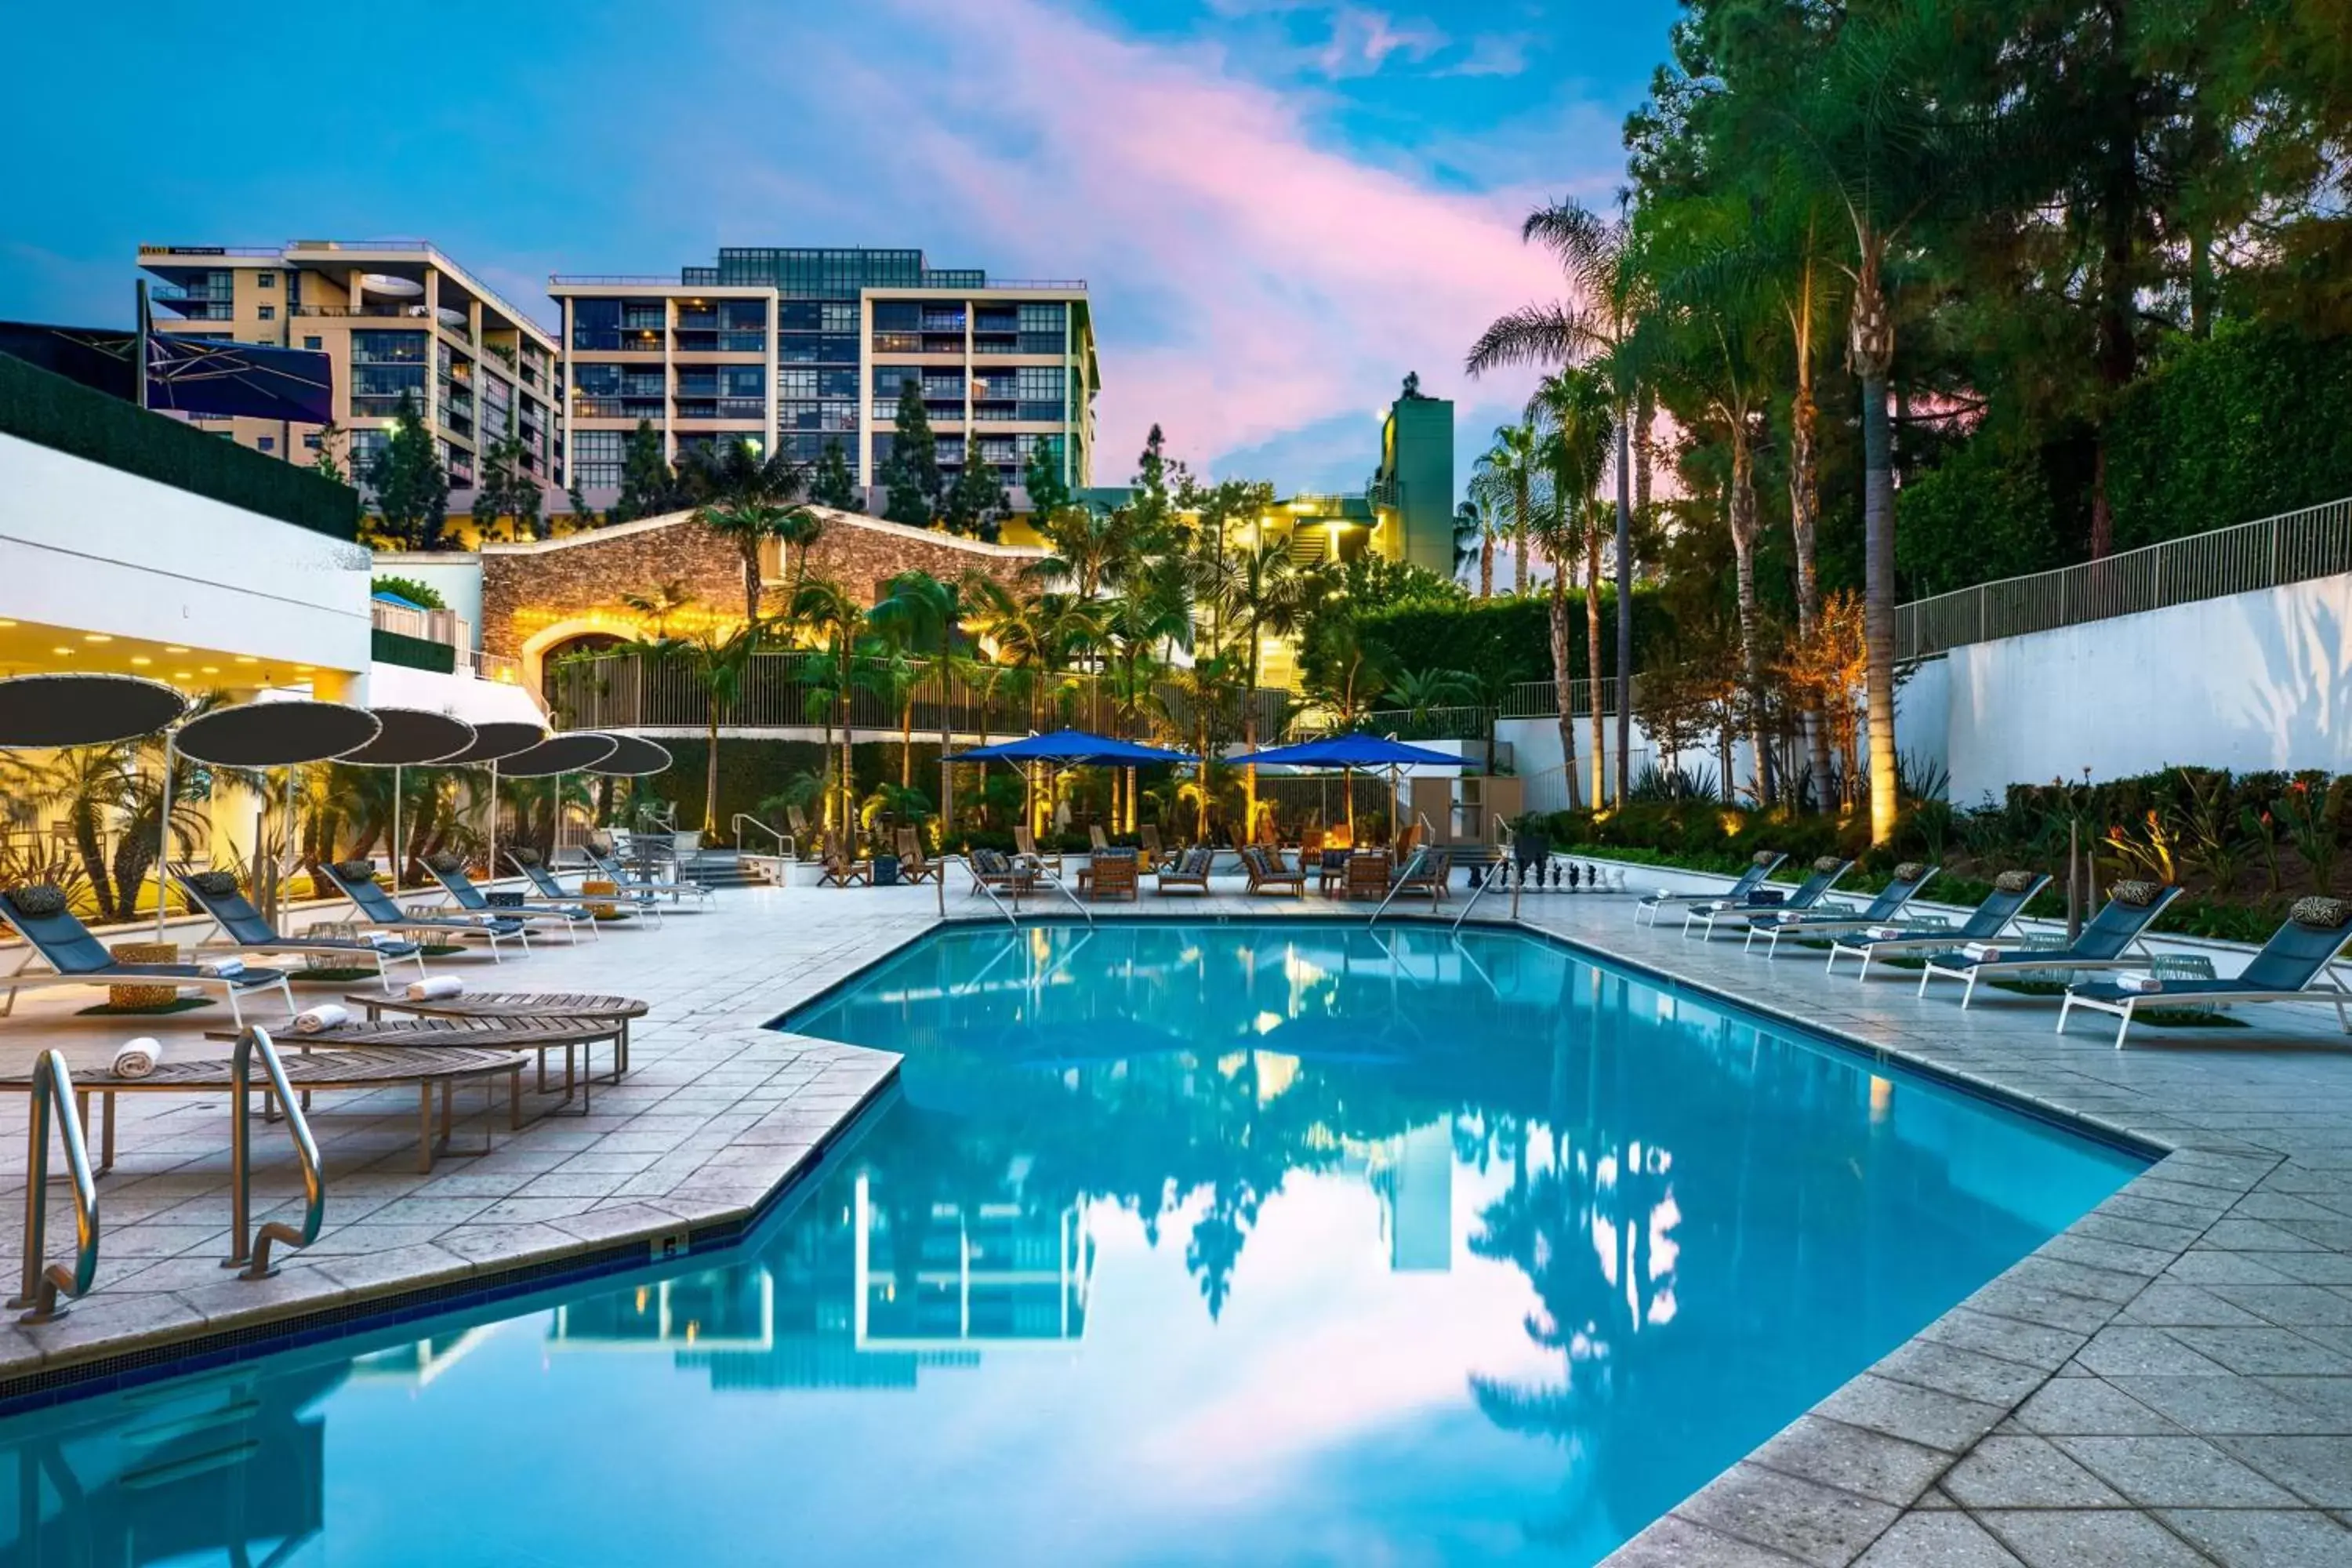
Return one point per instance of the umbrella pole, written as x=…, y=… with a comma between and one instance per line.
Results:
x=494, y=812
x=397, y=858
x=1350, y=776
x=162, y=812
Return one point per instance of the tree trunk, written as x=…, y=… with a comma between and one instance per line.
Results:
x=907, y=744
x=1592, y=662
x=1871, y=345
x=1561, y=684
x=1485, y=563
x=1752, y=661
x=750, y=581
x=709, y=776
x=1521, y=502
x=1804, y=515
x=1644, y=407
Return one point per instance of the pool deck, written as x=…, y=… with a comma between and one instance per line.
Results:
x=2167, y=1382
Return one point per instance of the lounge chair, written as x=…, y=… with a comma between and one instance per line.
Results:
x=1112, y=875
x=1148, y=835
x=912, y=866
x=1426, y=874
x=355, y=879
x=610, y=865
x=1763, y=903
x=993, y=868
x=1097, y=838
x=1026, y=842
x=38, y=914
x=840, y=868
x=1990, y=920
x=449, y=870
x=1909, y=878
x=2291, y=967
x=1764, y=864
x=1330, y=869
x=638, y=900
x=1367, y=875
x=1265, y=876
x=1187, y=873
x=2104, y=943
x=233, y=916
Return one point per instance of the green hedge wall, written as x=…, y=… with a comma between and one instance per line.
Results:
x=1506, y=639
x=52, y=411
x=412, y=653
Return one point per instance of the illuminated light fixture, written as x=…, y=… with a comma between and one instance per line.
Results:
x=140, y=659
x=212, y=669
x=246, y=658
x=6, y=623
x=174, y=648
x=66, y=652
x=96, y=636
x=184, y=674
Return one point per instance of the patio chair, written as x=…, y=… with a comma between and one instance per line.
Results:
x=1330, y=869
x=842, y=869
x=1310, y=845
x=1764, y=863
x=355, y=879
x=1367, y=875
x=912, y=866
x=449, y=870
x=38, y=913
x=1114, y=876
x=993, y=868
x=533, y=867
x=1766, y=903
x=2291, y=967
x=2104, y=943
x=1187, y=873
x=1267, y=877
x=1097, y=838
x=1889, y=901
x=609, y=863
x=1026, y=842
x=2012, y=892
x=1427, y=874
x=233, y=916
x=1149, y=836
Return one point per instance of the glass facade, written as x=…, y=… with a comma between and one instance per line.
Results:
x=597, y=457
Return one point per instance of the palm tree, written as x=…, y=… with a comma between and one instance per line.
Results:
x=1152, y=612
x=658, y=605
x=832, y=614
x=1421, y=692
x=1268, y=597
x=1503, y=483
x=1575, y=407
x=1607, y=262
x=721, y=660
x=917, y=609
x=747, y=499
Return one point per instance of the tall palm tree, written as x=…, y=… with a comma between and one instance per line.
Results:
x=747, y=498
x=1151, y=612
x=918, y=610
x=721, y=660
x=1268, y=597
x=1504, y=481
x=1607, y=262
x=1578, y=417
x=834, y=617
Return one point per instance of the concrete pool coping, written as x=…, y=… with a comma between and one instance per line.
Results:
x=2169, y=1379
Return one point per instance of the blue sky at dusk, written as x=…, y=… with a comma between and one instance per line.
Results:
x=1280, y=209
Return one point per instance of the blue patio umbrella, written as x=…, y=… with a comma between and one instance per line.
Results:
x=1071, y=748
x=1350, y=751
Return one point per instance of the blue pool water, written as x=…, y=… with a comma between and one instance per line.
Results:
x=1177, y=1243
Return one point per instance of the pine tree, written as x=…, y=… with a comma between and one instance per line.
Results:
x=833, y=485
x=509, y=489
x=1041, y=478
x=976, y=502
x=912, y=474
x=412, y=489
x=649, y=487
x=328, y=463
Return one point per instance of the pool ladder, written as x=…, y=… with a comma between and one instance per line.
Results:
x=250, y=1252
x=53, y=1098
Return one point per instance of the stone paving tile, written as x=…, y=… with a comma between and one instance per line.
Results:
x=1808, y=1521
x=2005, y=1472
x=1937, y=1540
x=2173, y=1472
x=2087, y=1538
x=2249, y=1538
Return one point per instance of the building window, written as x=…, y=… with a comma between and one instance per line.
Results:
x=795, y=381
x=313, y=343
x=267, y=279
x=266, y=443
x=312, y=443
x=597, y=457
x=388, y=348
x=268, y=312
x=743, y=380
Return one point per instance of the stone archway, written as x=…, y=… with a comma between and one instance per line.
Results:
x=594, y=628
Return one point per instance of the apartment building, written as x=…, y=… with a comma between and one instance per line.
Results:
x=811, y=347
x=398, y=319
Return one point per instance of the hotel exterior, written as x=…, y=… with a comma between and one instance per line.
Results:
x=808, y=348
x=398, y=319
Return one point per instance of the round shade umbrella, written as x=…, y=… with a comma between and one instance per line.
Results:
x=634, y=757
x=43, y=712
x=261, y=735
x=1071, y=747
x=409, y=735
x=1348, y=753
x=560, y=754
x=498, y=739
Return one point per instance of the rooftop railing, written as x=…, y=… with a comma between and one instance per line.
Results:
x=2270, y=553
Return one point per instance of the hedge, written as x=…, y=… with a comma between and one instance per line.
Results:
x=1505, y=639
x=412, y=653
x=67, y=417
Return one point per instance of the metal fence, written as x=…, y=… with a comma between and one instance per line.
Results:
x=2292, y=547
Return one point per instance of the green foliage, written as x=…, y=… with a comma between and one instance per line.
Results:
x=1501, y=640
x=649, y=486
x=910, y=474
x=51, y=411
x=976, y=503
x=510, y=489
x=1041, y=480
x=413, y=653
x=834, y=484
x=425, y=595
x=1988, y=512
x=411, y=488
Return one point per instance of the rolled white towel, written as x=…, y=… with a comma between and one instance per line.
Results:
x=137, y=1059
x=382, y=939
x=1664, y=893
x=1982, y=951
x=1884, y=934
x=221, y=968
x=2138, y=980
x=438, y=986
x=320, y=1020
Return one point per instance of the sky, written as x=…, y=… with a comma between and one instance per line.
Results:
x=1279, y=208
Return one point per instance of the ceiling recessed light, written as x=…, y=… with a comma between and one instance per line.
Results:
x=246, y=658
x=6, y=623
x=182, y=674
x=140, y=659
x=212, y=669
x=174, y=648
x=96, y=636
x=67, y=651
x=304, y=668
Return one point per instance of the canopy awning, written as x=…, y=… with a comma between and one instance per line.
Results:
x=560, y=754
x=38, y=712
x=1353, y=750
x=634, y=757
x=1074, y=747
x=277, y=735
x=497, y=739
x=411, y=736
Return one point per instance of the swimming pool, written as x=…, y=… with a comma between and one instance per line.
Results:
x=1176, y=1244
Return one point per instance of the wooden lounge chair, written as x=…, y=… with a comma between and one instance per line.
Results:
x=1330, y=869
x=912, y=866
x=1114, y=876
x=355, y=879
x=840, y=869
x=1265, y=876
x=1148, y=835
x=1367, y=875
x=1097, y=838
x=535, y=1031
x=1425, y=876
x=244, y=930
x=2106, y=943
x=1026, y=842
x=1187, y=873
x=449, y=870
x=2291, y=967
x=510, y=1005
x=993, y=868
x=75, y=957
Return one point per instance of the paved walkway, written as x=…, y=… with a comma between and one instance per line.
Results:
x=2169, y=1382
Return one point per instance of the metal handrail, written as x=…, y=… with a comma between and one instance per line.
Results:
x=980, y=882
x=1403, y=877
x=1494, y=875
x=1058, y=886
x=785, y=844
x=251, y=1251
x=53, y=1094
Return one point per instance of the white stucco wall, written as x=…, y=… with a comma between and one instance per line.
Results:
x=91, y=548
x=456, y=578
x=2254, y=680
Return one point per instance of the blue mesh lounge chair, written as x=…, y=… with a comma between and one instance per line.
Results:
x=233, y=916
x=1762, y=866
x=610, y=865
x=356, y=881
x=40, y=915
x=2291, y=967
x=534, y=870
x=1989, y=921
x=1889, y=901
x=1804, y=896
x=2104, y=944
x=449, y=870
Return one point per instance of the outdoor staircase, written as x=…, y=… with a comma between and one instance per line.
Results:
x=719, y=868
x=1307, y=547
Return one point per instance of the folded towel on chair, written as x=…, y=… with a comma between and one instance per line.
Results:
x=440, y=985
x=221, y=968
x=137, y=1059
x=382, y=939
x=2138, y=980
x=1884, y=934
x=1982, y=951
x=319, y=1020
